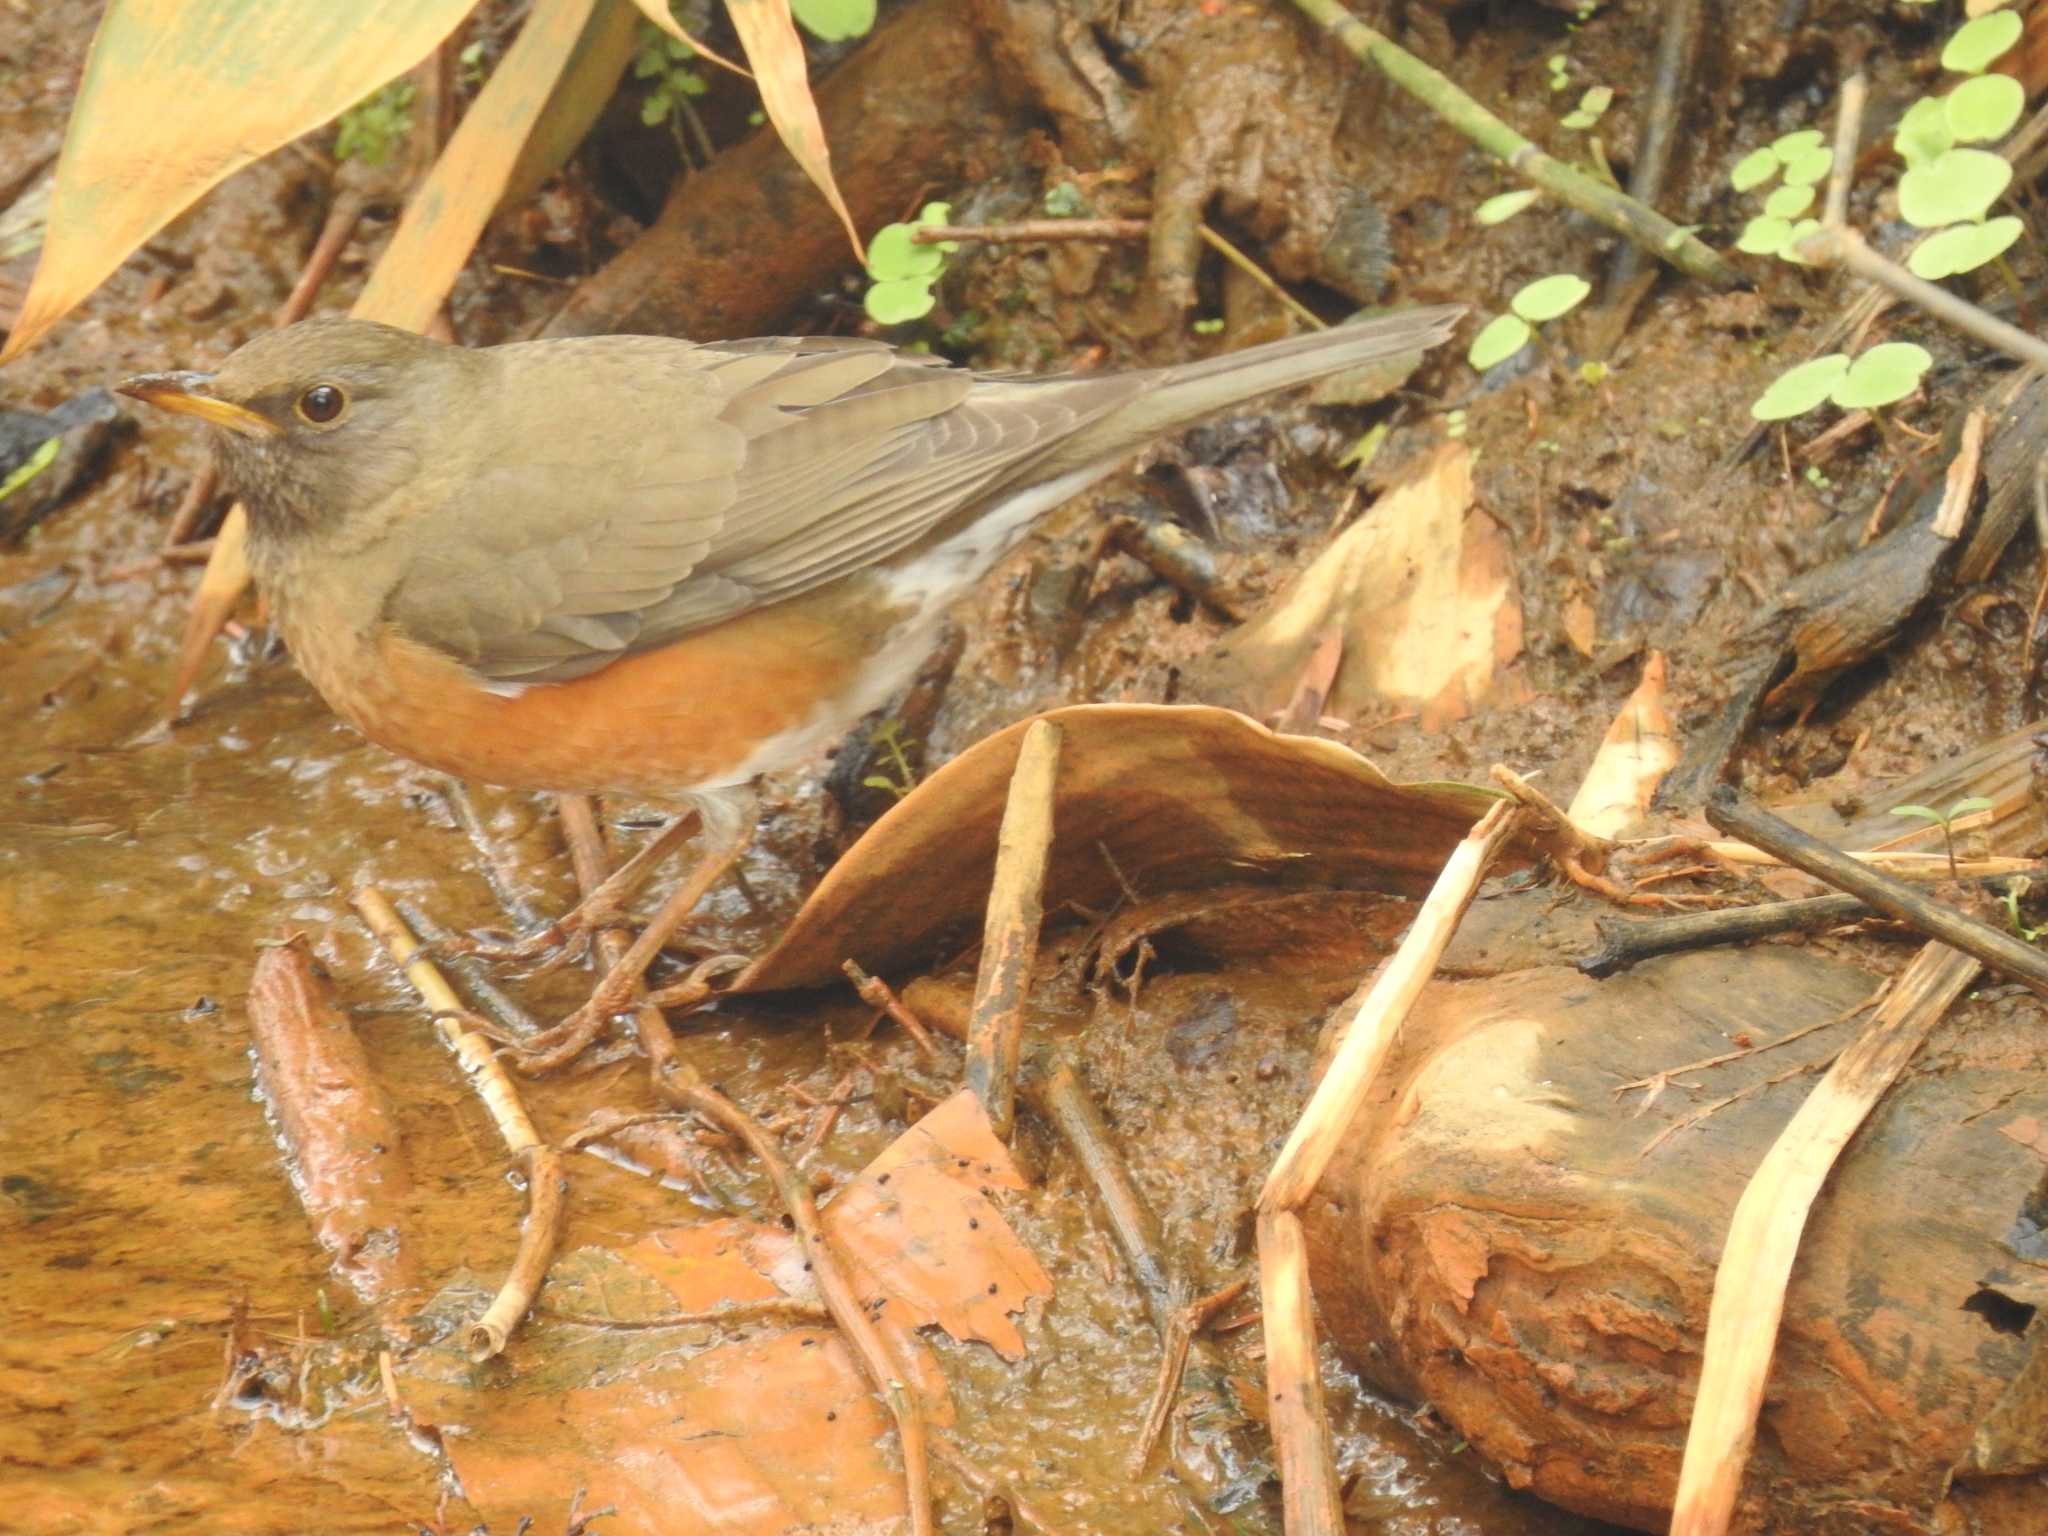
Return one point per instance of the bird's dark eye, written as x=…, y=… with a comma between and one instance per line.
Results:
x=322, y=403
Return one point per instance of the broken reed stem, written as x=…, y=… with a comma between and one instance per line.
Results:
x=1763, y=1237
x=1264, y=279
x=679, y=1084
x=1730, y=812
x=1173, y=1362
x=545, y=1180
x=1846, y=248
x=1310, y=1501
x=1898, y=863
x=995, y=1029
x=1848, y=126
x=877, y=993
x=1570, y=186
x=1382, y=1007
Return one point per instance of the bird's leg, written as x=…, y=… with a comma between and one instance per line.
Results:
x=729, y=819
x=569, y=935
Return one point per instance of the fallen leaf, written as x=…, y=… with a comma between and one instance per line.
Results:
x=1640, y=748
x=918, y=1226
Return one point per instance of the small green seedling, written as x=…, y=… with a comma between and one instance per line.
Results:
x=1946, y=821
x=375, y=126
x=1210, y=325
x=1065, y=201
x=1592, y=107
x=665, y=61
x=834, y=21
x=904, y=269
x=1560, y=68
x=901, y=778
x=1543, y=300
x=1882, y=376
x=1805, y=162
x=1498, y=210
x=2009, y=898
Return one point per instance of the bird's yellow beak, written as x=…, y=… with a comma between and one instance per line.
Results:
x=186, y=393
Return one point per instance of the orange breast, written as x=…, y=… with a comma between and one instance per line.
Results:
x=688, y=715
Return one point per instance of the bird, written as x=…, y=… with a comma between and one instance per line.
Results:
x=648, y=566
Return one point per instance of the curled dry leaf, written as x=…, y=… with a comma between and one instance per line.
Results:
x=177, y=97
x=1422, y=588
x=1640, y=748
x=1179, y=797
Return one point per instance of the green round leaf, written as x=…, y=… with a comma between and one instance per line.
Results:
x=1882, y=375
x=1788, y=202
x=1978, y=42
x=894, y=302
x=1984, y=108
x=1754, y=169
x=1764, y=236
x=1800, y=389
x=1960, y=184
x=1503, y=337
x=939, y=213
x=1498, y=210
x=1800, y=229
x=1963, y=248
x=835, y=21
x=893, y=256
x=1549, y=297
x=1806, y=166
x=1786, y=145
x=1923, y=133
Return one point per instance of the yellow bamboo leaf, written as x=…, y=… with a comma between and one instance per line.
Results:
x=769, y=35
x=657, y=11
x=444, y=217
x=176, y=97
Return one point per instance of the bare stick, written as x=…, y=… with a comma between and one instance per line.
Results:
x=545, y=1181
x=1382, y=1007
x=1264, y=279
x=2001, y=952
x=1848, y=125
x=1173, y=1363
x=1763, y=1237
x=679, y=1084
x=876, y=993
x=1309, y=1499
x=1570, y=186
x=1624, y=943
x=1846, y=248
x=1009, y=942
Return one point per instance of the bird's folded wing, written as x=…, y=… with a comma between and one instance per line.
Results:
x=676, y=486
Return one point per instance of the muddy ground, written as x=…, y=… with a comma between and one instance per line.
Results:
x=144, y=1198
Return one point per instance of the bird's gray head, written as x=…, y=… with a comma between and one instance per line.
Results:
x=320, y=422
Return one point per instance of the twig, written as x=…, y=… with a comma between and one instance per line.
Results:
x=1310, y=1502
x=1677, y=48
x=1264, y=279
x=1022, y=1513
x=501, y=1005
x=1624, y=943
x=1691, y=1118
x=1846, y=248
x=1033, y=231
x=2001, y=952
x=1570, y=186
x=1763, y=1237
x=679, y=1084
x=760, y=1309
x=1009, y=942
x=1672, y=1074
x=1381, y=1007
x=828, y=1116
x=877, y=993
x=1848, y=125
x=545, y=1179
x=1175, y=555
x=1173, y=1361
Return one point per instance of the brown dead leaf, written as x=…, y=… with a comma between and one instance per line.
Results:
x=1640, y=748
x=2028, y=1131
x=1422, y=587
x=177, y=97
x=918, y=1226
x=1581, y=624
x=755, y=1438
x=1177, y=797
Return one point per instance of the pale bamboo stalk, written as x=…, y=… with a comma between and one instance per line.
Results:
x=1310, y=1502
x=1382, y=1008
x=1763, y=1236
x=545, y=1179
x=995, y=1030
